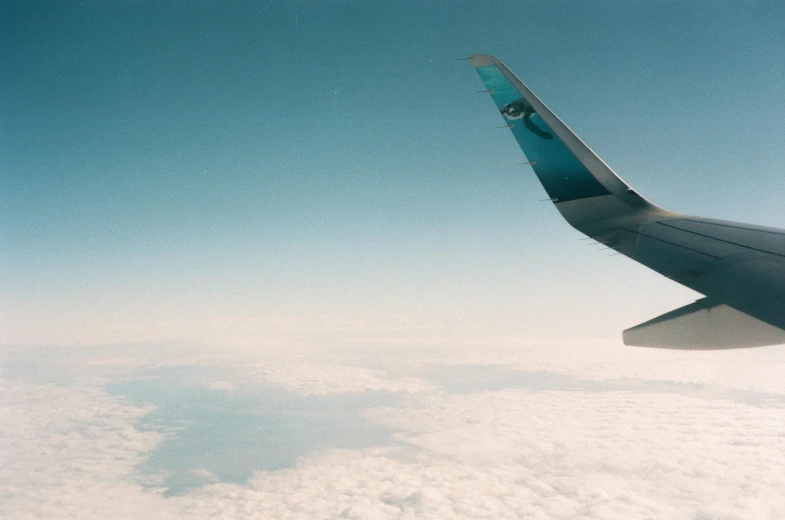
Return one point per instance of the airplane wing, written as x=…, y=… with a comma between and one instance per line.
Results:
x=739, y=268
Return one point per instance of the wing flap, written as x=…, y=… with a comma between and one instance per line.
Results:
x=697, y=327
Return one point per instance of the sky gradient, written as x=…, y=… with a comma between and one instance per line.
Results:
x=227, y=170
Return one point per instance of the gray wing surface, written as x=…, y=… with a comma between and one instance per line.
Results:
x=740, y=268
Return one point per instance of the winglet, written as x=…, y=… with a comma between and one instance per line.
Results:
x=568, y=169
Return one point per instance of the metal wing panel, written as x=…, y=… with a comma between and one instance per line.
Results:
x=747, y=279
x=753, y=237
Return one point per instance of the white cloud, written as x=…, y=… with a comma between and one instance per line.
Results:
x=544, y=455
x=663, y=454
x=72, y=452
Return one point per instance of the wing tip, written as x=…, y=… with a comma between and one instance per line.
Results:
x=481, y=60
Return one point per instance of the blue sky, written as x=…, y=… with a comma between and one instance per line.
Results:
x=188, y=170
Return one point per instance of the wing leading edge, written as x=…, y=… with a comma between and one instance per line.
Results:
x=738, y=267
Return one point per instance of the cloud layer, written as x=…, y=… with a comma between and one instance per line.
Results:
x=536, y=452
